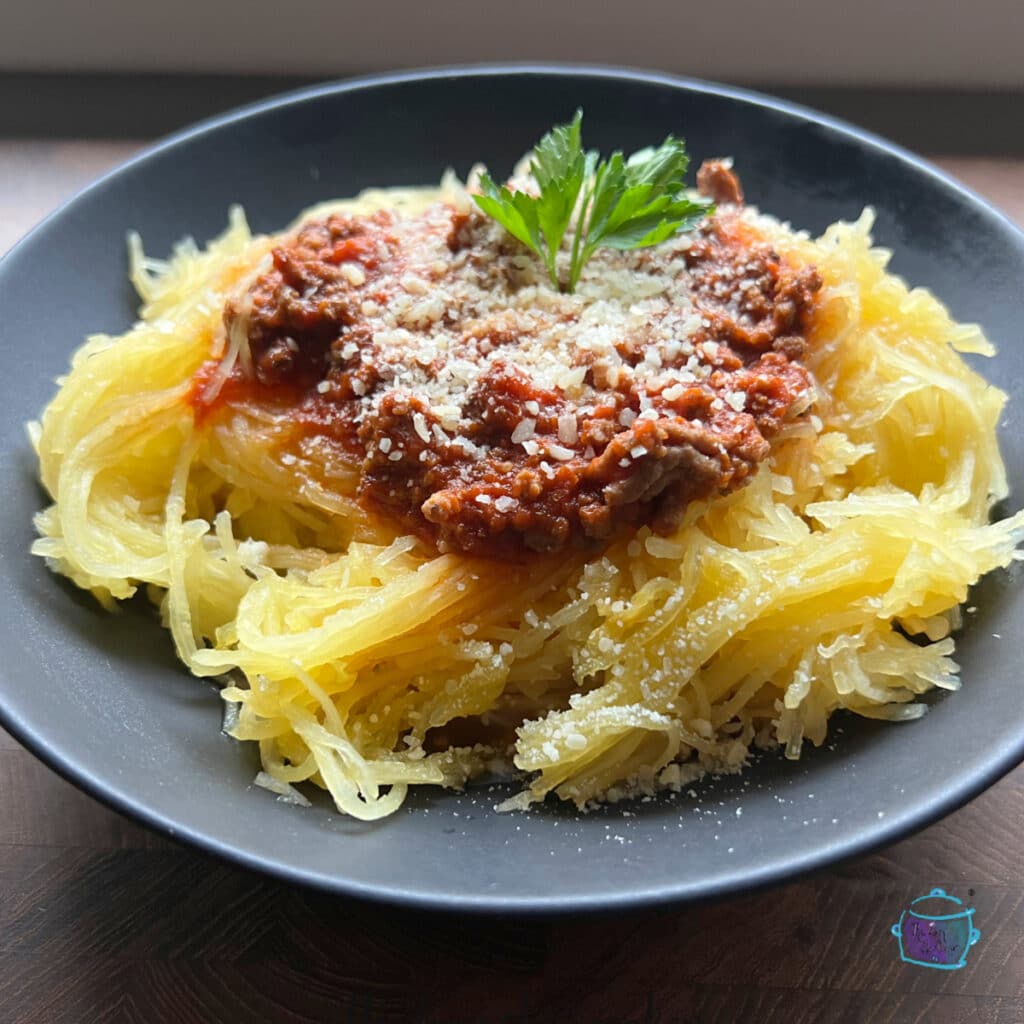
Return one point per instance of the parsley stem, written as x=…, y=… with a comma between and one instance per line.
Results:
x=575, y=266
x=551, y=255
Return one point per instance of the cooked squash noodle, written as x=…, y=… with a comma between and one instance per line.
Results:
x=831, y=582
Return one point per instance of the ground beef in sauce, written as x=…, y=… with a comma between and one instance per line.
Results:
x=495, y=416
x=716, y=179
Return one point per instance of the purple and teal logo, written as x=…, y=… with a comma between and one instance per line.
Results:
x=936, y=931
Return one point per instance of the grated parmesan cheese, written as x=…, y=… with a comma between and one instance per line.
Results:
x=524, y=430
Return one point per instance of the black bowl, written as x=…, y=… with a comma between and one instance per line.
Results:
x=100, y=697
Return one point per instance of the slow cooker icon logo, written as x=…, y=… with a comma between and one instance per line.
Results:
x=936, y=931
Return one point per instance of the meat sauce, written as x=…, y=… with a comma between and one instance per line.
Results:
x=495, y=419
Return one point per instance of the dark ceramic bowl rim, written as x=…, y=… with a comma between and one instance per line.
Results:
x=958, y=794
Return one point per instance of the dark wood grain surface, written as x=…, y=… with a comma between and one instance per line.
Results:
x=100, y=920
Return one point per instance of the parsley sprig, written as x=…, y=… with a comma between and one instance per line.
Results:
x=623, y=203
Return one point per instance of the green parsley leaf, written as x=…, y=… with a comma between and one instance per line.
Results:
x=619, y=203
x=515, y=211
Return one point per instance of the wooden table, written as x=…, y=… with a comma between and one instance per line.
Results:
x=100, y=920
